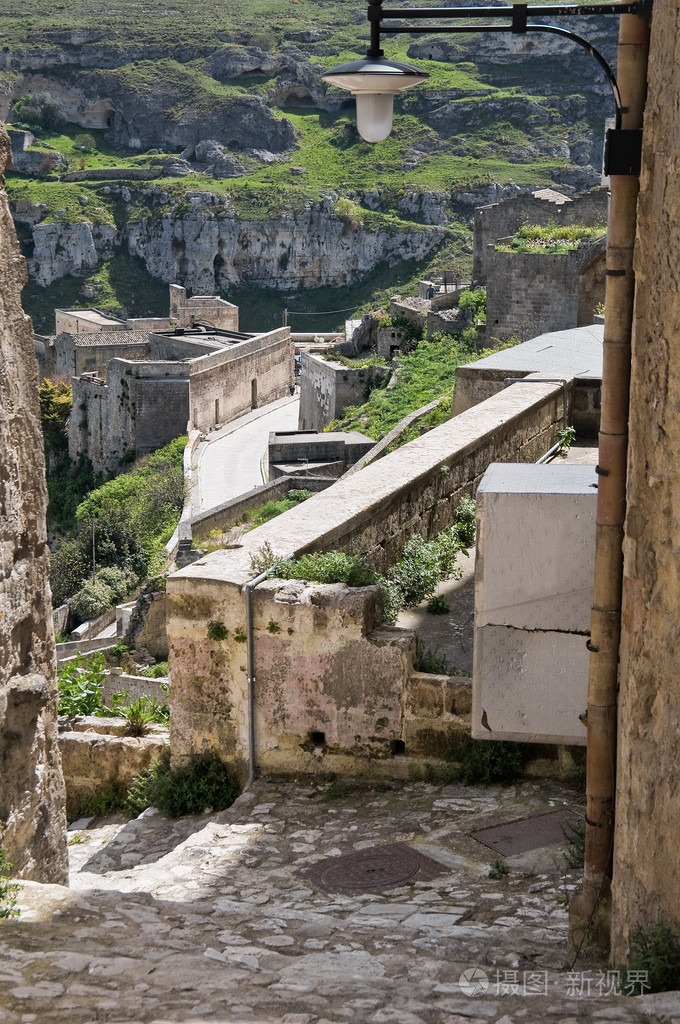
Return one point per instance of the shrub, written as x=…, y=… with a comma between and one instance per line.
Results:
x=189, y=789
x=429, y=660
x=119, y=581
x=656, y=951
x=69, y=568
x=466, y=524
x=418, y=571
x=8, y=890
x=91, y=600
x=142, y=713
x=487, y=761
x=85, y=141
x=438, y=606
x=39, y=110
x=107, y=801
x=79, y=683
x=157, y=671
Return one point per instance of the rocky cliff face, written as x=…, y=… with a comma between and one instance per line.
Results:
x=207, y=248
x=32, y=818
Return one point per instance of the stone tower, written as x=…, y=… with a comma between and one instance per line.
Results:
x=32, y=797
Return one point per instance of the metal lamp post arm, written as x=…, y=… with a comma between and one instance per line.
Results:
x=518, y=14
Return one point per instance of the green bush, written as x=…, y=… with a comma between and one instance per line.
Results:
x=428, y=660
x=8, y=890
x=157, y=671
x=438, y=605
x=418, y=571
x=466, y=524
x=143, y=712
x=119, y=581
x=487, y=761
x=656, y=951
x=107, y=801
x=39, y=110
x=79, y=683
x=69, y=568
x=91, y=600
x=189, y=789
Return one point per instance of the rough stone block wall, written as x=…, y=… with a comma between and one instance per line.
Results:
x=501, y=219
x=141, y=407
x=533, y=293
x=646, y=848
x=336, y=690
x=227, y=378
x=32, y=818
x=93, y=757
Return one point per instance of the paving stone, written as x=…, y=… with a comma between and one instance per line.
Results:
x=205, y=919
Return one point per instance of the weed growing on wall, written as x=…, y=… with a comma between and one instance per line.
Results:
x=656, y=951
x=412, y=579
x=8, y=890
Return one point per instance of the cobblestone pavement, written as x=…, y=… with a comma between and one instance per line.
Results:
x=218, y=917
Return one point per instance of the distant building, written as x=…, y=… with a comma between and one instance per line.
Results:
x=139, y=383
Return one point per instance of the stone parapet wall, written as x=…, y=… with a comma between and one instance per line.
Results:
x=329, y=675
x=232, y=511
x=95, y=754
x=140, y=407
x=500, y=219
x=533, y=293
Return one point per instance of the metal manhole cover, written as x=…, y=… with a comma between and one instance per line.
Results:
x=527, y=833
x=372, y=870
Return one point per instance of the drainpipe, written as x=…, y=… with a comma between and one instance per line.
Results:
x=250, y=672
x=590, y=913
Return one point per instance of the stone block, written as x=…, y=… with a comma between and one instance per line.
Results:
x=529, y=685
x=536, y=547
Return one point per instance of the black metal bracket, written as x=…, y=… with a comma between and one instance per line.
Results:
x=591, y=648
x=601, y=472
x=623, y=151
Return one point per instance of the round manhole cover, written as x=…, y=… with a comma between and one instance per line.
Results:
x=372, y=870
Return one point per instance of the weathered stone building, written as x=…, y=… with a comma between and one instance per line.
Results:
x=530, y=293
x=203, y=375
x=32, y=818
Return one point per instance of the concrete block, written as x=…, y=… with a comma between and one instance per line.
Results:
x=536, y=546
x=532, y=685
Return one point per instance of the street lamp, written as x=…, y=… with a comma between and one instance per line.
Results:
x=375, y=80
x=589, y=915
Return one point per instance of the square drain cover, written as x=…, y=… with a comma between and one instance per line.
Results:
x=527, y=833
x=372, y=870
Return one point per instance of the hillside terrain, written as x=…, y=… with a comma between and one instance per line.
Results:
x=197, y=144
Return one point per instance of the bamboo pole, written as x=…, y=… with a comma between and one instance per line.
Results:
x=590, y=912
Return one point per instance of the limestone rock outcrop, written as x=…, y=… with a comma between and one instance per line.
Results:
x=209, y=249
x=32, y=817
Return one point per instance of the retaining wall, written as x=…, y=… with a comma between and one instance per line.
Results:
x=324, y=663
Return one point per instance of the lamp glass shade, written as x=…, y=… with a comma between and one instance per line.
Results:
x=374, y=81
x=374, y=115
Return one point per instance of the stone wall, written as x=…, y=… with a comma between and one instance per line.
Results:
x=95, y=752
x=32, y=819
x=500, y=219
x=139, y=408
x=532, y=293
x=231, y=382
x=324, y=664
x=231, y=512
x=646, y=848
x=327, y=388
